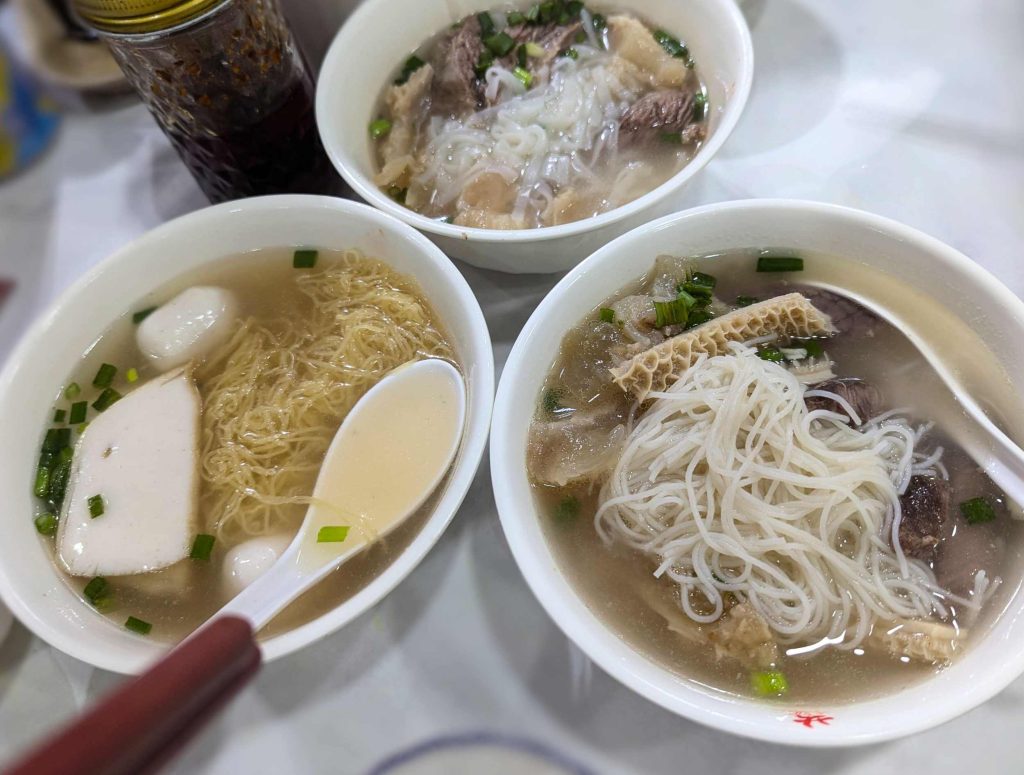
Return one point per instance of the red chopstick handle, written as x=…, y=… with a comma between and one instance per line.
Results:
x=145, y=722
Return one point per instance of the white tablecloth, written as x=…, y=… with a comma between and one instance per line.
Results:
x=914, y=110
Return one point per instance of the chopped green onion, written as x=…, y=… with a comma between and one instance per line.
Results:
x=486, y=60
x=486, y=24
x=568, y=508
x=671, y=45
x=599, y=22
x=202, y=547
x=524, y=76
x=533, y=49
x=607, y=315
x=700, y=106
x=571, y=53
x=698, y=316
x=332, y=534
x=42, y=484
x=977, y=511
x=304, y=259
x=516, y=18
x=81, y=428
x=521, y=56
x=59, y=481
x=397, y=193
x=769, y=683
x=780, y=264
x=812, y=346
x=746, y=301
x=56, y=439
x=106, y=400
x=142, y=314
x=379, y=128
x=548, y=12
x=533, y=13
x=105, y=375
x=96, y=506
x=95, y=589
x=700, y=284
x=138, y=625
x=552, y=400
x=769, y=352
x=675, y=312
x=574, y=7
x=46, y=524
x=132, y=375
x=412, y=64
x=59, y=415
x=72, y=391
x=500, y=44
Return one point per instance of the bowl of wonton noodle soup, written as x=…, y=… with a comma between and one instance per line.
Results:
x=317, y=299
x=749, y=498
x=523, y=136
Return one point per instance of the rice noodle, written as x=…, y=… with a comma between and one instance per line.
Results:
x=733, y=487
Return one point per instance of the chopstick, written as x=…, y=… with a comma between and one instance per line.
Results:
x=139, y=727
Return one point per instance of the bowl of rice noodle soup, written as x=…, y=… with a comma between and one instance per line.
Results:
x=749, y=498
x=523, y=136
x=174, y=408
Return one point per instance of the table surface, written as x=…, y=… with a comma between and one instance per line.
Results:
x=912, y=110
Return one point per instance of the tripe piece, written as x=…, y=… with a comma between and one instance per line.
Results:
x=141, y=457
x=658, y=367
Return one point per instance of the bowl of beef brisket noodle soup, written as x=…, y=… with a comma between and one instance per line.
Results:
x=522, y=136
x=753, y=500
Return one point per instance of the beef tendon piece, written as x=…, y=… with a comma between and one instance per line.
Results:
x=925, y=508
x=457, y=89
x=657, y=114
x=862, y=396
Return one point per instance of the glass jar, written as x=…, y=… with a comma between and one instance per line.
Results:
x=228, y=85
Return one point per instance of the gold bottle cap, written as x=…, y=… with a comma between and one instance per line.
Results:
x=140, y=16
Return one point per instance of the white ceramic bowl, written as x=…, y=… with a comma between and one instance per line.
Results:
x=380, y=33
x=890, y=250
x=29, y=584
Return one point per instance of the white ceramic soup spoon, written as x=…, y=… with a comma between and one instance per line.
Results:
x=994, y=451
x=388, y=456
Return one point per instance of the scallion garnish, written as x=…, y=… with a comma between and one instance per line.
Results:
x=142, y=314
x=486, y=24
x=105, y=376
x=769, y=683
x=521, y=56
x=552, y=400
x=202, y=547
x=412, y=64
x=72, y=391
x=574, y=7
x=769, y=352
x=607, y=315
x=96, y=506
x=56, y=439
x=46, y=524
x=41, y=486
x=499, y=44
x=486, y=60
x=698, y=316
x=59, y=415
x=379, y=128
x=533, y=13
x=780, y=264
x=977, y=511
x=812, y=346
x=132, y=375
x=95, y=589
x=700, y=106
x=598, y=22
x=515, y=18
x=568, y=508
x=59, y=479
x=533, y=49
x=675, y=312
x=698, y=284
x=304, y=259
x=524, y=76
x=571, y=53
x=746, y=301
x=671, y=45
x=138, y=625
x=332, y=534
x=106, y=400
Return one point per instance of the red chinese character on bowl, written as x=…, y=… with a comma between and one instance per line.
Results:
x=810, y=719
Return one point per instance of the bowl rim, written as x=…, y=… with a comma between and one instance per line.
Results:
x=476, y=353
x=335, y=144
x=565, y=607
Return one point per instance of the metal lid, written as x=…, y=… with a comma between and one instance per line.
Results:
x=140, y=16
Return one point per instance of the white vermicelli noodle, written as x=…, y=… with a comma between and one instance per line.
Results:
x=732, y=485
